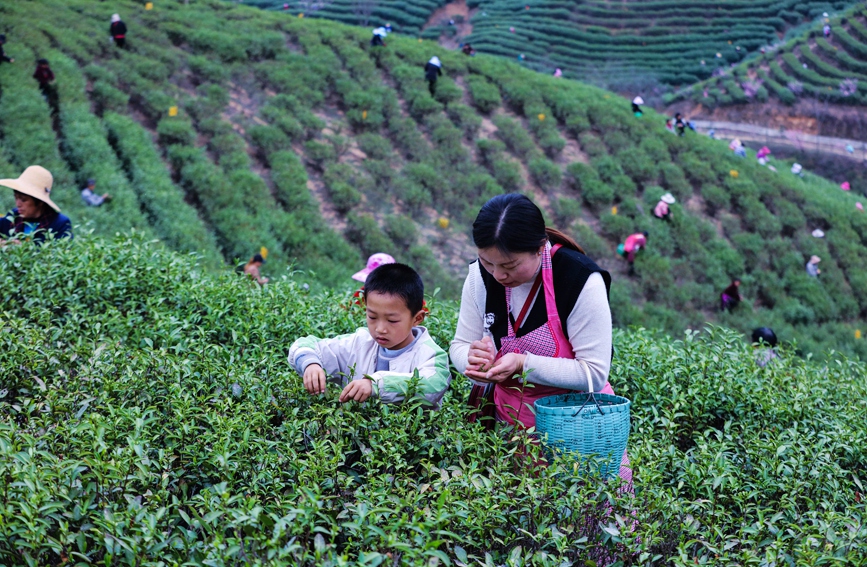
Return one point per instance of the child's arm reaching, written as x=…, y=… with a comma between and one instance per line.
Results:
x=316, y=359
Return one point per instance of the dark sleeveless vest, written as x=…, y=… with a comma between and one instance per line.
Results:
x=571, y=270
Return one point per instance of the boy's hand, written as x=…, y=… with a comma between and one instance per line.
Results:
x=358, y=390
x=314, y=379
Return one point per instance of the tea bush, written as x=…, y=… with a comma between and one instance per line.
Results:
x=172, y=218
x=486, y=96
x=148, y=415
x=545, y=173
x=246, y=158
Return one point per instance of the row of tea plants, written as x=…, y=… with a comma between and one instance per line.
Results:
x=148, y=416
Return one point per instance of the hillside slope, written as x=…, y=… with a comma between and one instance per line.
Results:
x=296, y=135
x=812, y=82
x=627, y=43
x=157, y=422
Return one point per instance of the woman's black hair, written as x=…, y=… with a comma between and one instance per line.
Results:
x=513, y=223
x=765, y=335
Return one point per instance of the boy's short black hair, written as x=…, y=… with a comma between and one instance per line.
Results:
x=400, y=280
x=765, y=335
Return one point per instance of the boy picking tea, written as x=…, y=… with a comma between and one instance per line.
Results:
x=379, y=360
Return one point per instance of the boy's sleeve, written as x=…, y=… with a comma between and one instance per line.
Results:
x=333, y=355
x=434, y=378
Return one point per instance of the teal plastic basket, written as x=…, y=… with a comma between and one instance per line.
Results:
x=594, y=428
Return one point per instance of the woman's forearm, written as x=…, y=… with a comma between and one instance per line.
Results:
x=566, y=373
x=470, y=326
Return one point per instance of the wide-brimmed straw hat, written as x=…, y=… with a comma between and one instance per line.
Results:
x=36, y=182
x=815, y=259
x=668, y=198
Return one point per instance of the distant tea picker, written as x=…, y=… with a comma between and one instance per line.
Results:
x=636, y=106
x=35, y=216
x=117, y=31
x=252, y=268
x=378, y=39
x=432, y=70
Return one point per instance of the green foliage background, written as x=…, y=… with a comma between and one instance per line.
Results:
x=296, y=135
x=148, y=416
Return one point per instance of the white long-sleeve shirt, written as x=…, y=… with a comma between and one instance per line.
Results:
x=90, y=198
x=589, y=327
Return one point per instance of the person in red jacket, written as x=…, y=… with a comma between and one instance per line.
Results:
x=117, y=30
x=45, y=76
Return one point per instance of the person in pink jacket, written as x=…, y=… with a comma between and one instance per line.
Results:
x=661, y=210
x=634, y=243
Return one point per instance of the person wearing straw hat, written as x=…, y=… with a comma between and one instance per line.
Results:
x=636, y=105
x=35, y=215
x=378, y=39
x=661, y=210
x=117, y=31
x=813, y=267
x=432, y=70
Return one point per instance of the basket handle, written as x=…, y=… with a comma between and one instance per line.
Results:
x=591, y=396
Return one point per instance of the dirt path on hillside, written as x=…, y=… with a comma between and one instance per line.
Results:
x=448, y=12
x=783, y=137
x=806, y=115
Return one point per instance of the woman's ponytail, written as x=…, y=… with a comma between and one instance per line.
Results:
x=557, y=237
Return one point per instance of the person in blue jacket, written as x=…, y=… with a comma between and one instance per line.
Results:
x=35, y=215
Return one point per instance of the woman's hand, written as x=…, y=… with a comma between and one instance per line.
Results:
x=481, y=355
x=508, y=366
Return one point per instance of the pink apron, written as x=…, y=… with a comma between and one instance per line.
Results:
x=510, y=397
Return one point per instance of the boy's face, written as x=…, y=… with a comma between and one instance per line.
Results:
x=389, y=320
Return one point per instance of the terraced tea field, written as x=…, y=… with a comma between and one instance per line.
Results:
x=827, y=68
x=297, y=135
x=676, y=42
